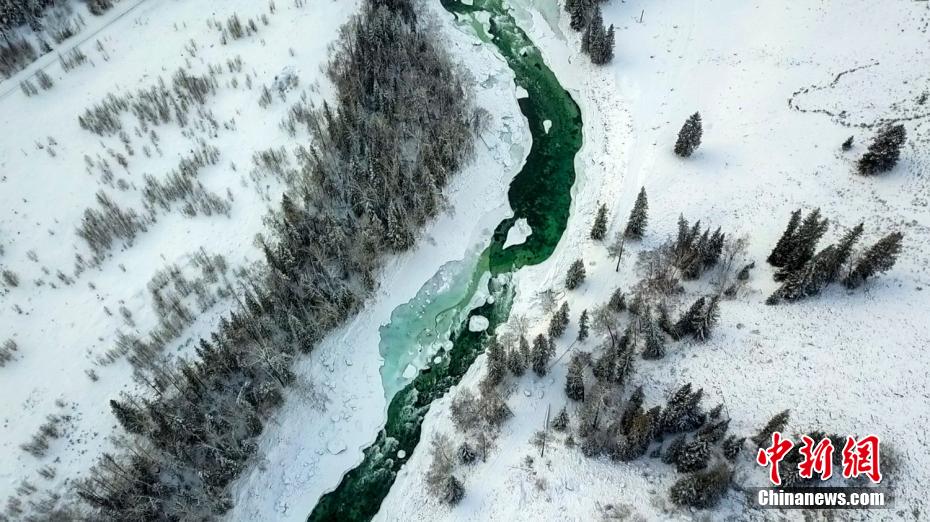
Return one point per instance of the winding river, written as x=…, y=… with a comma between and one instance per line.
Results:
x=440, y=314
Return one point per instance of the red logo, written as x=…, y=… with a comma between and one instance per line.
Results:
x=860, y=457
x=772, y=455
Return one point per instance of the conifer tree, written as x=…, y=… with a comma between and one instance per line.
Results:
x=689, y=137
x=702, y=490
x=574, y=379
x=617, y=301
x=497, y=360
x=453, y=491
x=776, y=423
x=847, y=144
x=524, y=347
x=655, y=344
x=516, y=363
x=636, y=225
x=559, y=321
x=560, y=422
x=779, y=255
x=583, y=326
x=130, y=418
x=599, y=229
x=704, y=323
x=884, y=151
x=693, y=456
x=879, y=258
x=732, y=446
x=803, y=244
x=575, y=275
x=541, y=354
x=685, y=324
x=840, y=255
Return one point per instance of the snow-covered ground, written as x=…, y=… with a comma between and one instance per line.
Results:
x=63, y=329
x=842, y=362
x=318, y=436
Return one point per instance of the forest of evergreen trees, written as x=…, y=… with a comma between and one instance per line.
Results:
x=400, y=127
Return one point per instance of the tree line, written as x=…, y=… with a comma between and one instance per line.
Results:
x=401, y=125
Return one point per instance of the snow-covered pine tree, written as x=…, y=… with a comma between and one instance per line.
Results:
x=583, y=326
x=782, y=250
x=732, y=446
x=540, y=355
x=842, y=252
x=884, y=151
x=516, y=363
x=803, y=243
x=702, y=490
x=704, y=323
x=559, y=321
x=617, y=301
x=693, y=456
x=879, y=258
x=575, y=275
x=599, y=229
x=560, y=422
x=497, y=360
x=655, y=344
x=776, y=423
x=130, y=418
x=636, y=225
x=453, y=491
x=689, y=137
x=574, y=379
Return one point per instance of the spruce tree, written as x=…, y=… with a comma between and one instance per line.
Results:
x=575, y=275
x=130, y=418
x=704, y=323
x=636, y=225
x=693, y=456
x=879, y=258
x=847, y=144
x=559, y=321
x=574, y=379
x=617, y=301
x=689, y=137
x=702, y=490
x=779, y=255
x=583, y=326
x=776, y=423
x=560, y=422
x=884, y=151
x=685, y=325
x=497, y=360
x=803, y=244
x=541, y=355
x=516, y=363
x=732, y=446
x=453, y=491
x=840, y=255
x=655, y=344
x=599, y=229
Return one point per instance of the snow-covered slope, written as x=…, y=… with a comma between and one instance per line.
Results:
x=845, y=362
x=63, y=325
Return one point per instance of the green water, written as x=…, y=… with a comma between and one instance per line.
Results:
x=541, y=193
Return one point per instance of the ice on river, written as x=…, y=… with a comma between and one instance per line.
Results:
x=518, y=233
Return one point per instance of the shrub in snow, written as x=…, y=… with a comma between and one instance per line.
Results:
x=560, y=422
x=467, y=454
x=884, y=151
x=847, y=145
x=689, y=137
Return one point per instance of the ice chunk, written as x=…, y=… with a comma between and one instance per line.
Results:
x=478, y=323
x=547, y=125
x=518, y=233
x=410, y=372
